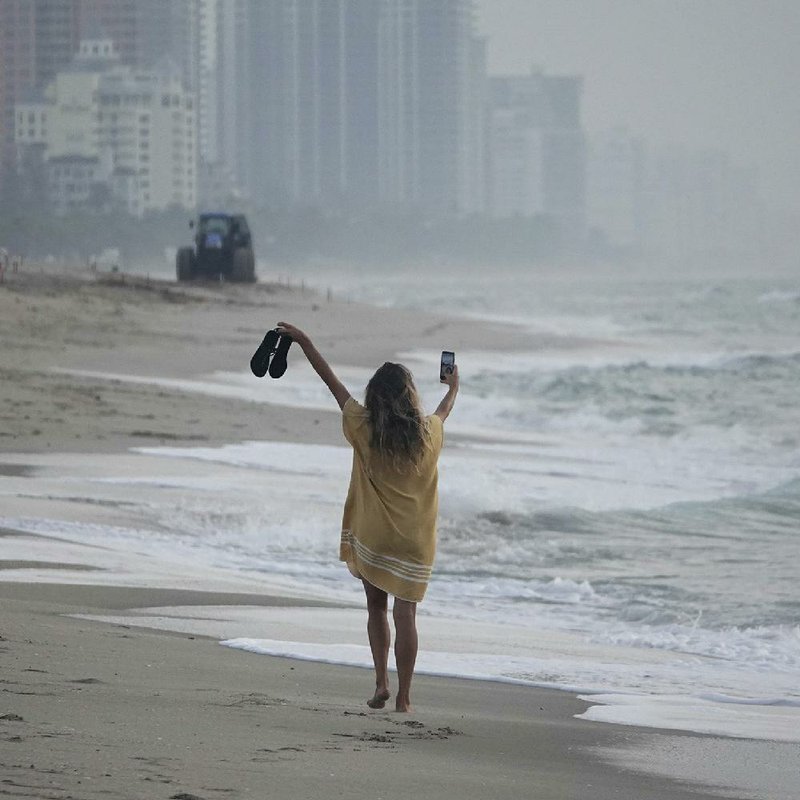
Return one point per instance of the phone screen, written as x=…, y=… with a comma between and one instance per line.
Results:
x=447, y=364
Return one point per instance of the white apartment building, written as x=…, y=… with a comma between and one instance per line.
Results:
x=147, y=122
x=78, y=182
x=141, y=124
x=31, y=123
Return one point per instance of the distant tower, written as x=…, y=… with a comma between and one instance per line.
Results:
x=353, y=101
x=430, y=113
x=110, y=135
x=297, y=98
x=57, y=36
x=39, y=37
x=146, y=32
x=206, y=81
x=17, y=77
x=116, y=19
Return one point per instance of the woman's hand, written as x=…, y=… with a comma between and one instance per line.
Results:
x=446, y=406
x=297, y=335
x=451, y=378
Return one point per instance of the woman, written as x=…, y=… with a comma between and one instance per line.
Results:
x=389, y=525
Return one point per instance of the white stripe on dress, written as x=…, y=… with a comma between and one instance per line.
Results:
x=409, y=566
x=406, y=570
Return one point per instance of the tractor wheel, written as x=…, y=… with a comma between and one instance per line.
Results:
x=184, y=262
x=244, y=266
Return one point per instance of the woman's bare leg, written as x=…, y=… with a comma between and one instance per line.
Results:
x=379, y=640
x=405, y=649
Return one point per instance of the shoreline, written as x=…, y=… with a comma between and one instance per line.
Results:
x=136, y=706
x=48, y=412
x=52, y=324
x=242, y=720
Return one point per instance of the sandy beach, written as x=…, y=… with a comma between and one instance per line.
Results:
x=94, y=709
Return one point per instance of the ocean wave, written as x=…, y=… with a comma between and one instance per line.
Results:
x=749, y=389
x=562, y=590
x=765, y=647
x=778, y=702
x=522, y=371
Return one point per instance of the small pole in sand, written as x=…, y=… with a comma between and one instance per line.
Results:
x=330, y=294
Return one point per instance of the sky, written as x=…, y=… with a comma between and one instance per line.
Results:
x=722, y=73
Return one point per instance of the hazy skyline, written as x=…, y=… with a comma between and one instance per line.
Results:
x=697, y=72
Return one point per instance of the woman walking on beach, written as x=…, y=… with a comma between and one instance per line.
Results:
x=389, y=525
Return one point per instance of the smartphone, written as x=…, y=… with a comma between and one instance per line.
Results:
x=447, y=364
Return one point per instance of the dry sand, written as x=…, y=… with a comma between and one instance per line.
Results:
x=122, y=324
x=97, y=710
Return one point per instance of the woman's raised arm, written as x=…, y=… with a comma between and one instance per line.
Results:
x=320, y=365
x=448, y=401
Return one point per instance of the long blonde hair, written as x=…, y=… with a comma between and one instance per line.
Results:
x=399, y=431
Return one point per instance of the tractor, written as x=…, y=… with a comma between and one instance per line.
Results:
x=223, y=250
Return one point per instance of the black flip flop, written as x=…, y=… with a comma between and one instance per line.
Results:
x=278, y=364
x=260, y=359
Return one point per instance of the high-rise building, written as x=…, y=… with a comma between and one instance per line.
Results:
x=57, y=36
x=430, y=112
x=115, y=19
x=109, y=135
x=37, y=38
x=537, y=149
x=17, y=75
x=297, y=98
x=325, y=102
x=147, y=33
x=353, y=101
x=205, y=84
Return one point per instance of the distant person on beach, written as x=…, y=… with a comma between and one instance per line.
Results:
x=389, y=526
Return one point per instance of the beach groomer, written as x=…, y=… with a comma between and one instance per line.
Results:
x=389, y=524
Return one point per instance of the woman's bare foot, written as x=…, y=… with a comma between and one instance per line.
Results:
x=379, y=698
x=403, y=706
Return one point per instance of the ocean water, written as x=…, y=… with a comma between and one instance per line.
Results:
x=670, y=449
x=651, y=496
x=620, y=512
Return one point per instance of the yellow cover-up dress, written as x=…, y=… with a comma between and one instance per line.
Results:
x=389, y=521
